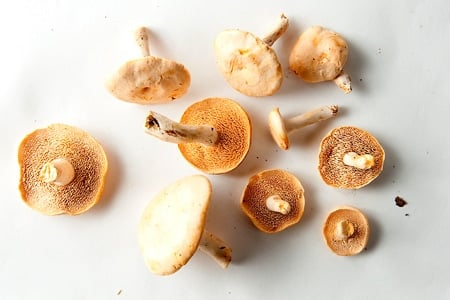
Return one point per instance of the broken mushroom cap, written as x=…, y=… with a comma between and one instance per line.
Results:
x=62, y=170
x=350, y=158
x=150, y=79
x=320, y=55
x=248, y=63
x=346, y=231
x=172, y=226
x=273, y=200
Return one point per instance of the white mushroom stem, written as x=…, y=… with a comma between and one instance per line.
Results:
x=141, y=36
x=344, y=230
x=277, y=204
x=277, y=31
x=216, y=248
x=170, y=131
x=344, y=82
x=59, y=172
x=363, y=162
x=310, y=117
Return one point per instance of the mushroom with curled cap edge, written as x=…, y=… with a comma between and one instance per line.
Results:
x=248, y=63
x=281, y=128
x=350, y=158
x=62, y=170
x=346, y=231
x=171, y=228
x=273, y=200
x=214, y=134
x=149, y=79
x=320, y=55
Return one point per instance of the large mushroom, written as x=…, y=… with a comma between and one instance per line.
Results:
x=171, y=228
x=350, y=158
x=149, y=79
x=214, y=134
x=62, y=170
x=248, y=63
x=273, y=200
x=320, y=55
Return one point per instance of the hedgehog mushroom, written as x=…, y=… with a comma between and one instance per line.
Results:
x=150, y=79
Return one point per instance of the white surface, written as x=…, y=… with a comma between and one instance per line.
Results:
x=55, y=56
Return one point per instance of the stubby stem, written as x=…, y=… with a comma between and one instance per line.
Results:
x=344, y=230
x=344, y=82
x=310, y=117
x=363, y=162
x=277, y=204
x=167, y=130
x=216, y=248
x=59, y=172
x=141, y=36
x=277, y=32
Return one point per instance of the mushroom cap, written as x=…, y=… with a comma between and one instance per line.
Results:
x=172, y=224
x=248, y=64
x=278, y=129
x=332, y=150
x=268, y=183
x=149, y=80
x=234, y=135
x=84, y=153
x=318, y=55
x=355, y=243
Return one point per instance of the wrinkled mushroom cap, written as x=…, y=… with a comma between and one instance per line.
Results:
x=355, y=243
x=268, y=183
x=84, y=153
x=248, y=64
x=149, y=80
x=318, y=55
x=234, y=135
x=332, y=150
x=172, y=224
x=278, y=129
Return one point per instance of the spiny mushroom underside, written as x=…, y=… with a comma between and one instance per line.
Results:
x=84, y=153
x=343, y=140
x=149, y=80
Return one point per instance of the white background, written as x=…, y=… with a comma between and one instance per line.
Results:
x=55, y=57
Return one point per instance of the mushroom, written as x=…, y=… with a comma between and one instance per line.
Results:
x=248, y=63
x=320, y=55
x=171, y=228
x=350, y=158
x=62, y=170
x=346, y=231
x=213, y=135
x=281, y=128
x=150, y=79
x=273, y=200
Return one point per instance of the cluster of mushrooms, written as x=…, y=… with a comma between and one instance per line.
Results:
x=62, y=168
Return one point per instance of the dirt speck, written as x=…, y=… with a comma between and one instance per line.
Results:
x=400, y=202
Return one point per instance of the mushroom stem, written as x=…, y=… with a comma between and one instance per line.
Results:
x=216, y=248
x=344, y=230
x=310, y=117
x=170, y=131
x=363, y=162
x=59, y=171
x=141, y=36
x=277, y=31
x=344, y=82
x=277, y=204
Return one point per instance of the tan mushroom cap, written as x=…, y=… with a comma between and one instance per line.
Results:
x=234, y=135
x=358, y=235
x=149, y=80
x=266, y=184
x=247, y=63
x=336, y=144
x=87, y=157
x=318, y=55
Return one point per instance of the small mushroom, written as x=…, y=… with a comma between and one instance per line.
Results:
x=350, y=158
x=171, y=228
x=273, y=200
x=346, y=231
x=320, y=55
x=213, y=135
x=150, y=79
x=248, y=63
x=281, y=128
x=62, y=170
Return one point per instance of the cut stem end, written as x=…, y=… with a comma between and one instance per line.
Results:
x=344, y=230
x=277, y=32
x=276, y=204
x=363, y=162
x=59, y=171
x=215, y=248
